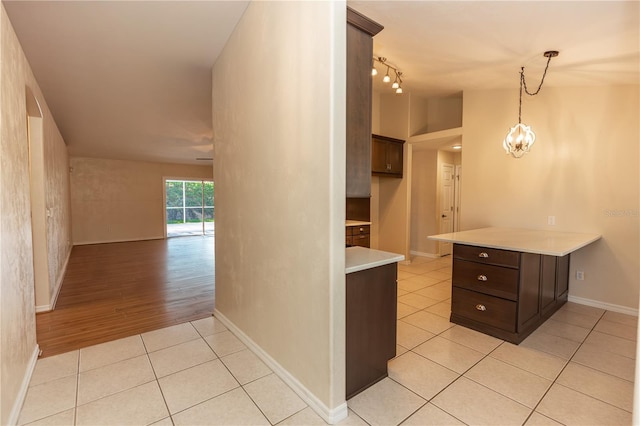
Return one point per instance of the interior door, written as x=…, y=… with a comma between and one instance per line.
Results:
x=446, y=205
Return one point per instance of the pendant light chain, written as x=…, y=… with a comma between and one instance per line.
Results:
x=520, y=104
x=549, y=56
x=523, y=83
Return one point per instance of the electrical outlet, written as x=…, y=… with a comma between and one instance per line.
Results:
x=580, y=275
x=551, y=220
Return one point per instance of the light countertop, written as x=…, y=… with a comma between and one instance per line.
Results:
x=361, y=258
x=554, y=243
x=356, y=223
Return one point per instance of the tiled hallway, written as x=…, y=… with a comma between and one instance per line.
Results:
x=578, y=368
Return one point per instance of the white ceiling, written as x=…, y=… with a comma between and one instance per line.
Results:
x=444, y=47
x=128, y=79
x=132, y=79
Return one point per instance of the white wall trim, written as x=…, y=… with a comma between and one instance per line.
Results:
x=22, y=392
x=43, y=308
x=56, y=291
x=61, y=275
x=331, y=416
x=84, y=243
x=602, y=305
x=422, y=254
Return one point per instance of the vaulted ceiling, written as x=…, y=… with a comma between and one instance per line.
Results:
x=132, y=79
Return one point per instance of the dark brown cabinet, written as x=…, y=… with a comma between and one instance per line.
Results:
x=506, y=294
x=386, y=156
x=360, y=31
x=358, y=235
x=371, y=306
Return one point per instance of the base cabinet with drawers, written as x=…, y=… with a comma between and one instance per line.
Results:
x=358, y=235
x=506, y=294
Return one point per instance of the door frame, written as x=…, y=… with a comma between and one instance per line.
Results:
x=442, y=246
x=457, y=197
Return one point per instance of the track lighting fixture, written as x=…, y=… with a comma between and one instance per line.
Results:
x=397, y=82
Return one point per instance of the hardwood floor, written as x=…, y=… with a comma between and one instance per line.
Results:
x=117, y=290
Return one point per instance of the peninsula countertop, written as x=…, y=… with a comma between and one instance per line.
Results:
x=361, y=258
x=554, y=243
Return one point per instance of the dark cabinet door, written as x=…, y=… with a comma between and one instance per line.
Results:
x=548, y=283
x=359, y=51
x=371, y=311
x=360, y=31
x=386, y=156
x=395, y=156
x=378, y=156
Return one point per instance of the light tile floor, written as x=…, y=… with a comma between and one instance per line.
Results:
x=577, y=368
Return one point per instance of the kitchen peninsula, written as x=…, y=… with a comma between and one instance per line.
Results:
x=507, y=281
x=371, y=303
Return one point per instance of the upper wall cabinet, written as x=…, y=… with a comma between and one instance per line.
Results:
x=386, y=156
x=360, y=31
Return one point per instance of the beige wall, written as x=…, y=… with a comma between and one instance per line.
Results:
x=423, y=201
x=280, y=190
x=58, y=202
x=583, y=169
x=117, y=200
x=18, y=348
x=394, y=202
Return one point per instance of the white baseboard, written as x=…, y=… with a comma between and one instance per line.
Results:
x=61, y=275
x=85, y=243
x=43, y=308
x=602, y=305
x=56, y=291
x=22, y=392
x=421, y=254
x=331, y=416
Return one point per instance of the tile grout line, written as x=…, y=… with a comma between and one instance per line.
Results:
x=561, y=371
x=600, y=318
x=155, y=374
x=75, y=407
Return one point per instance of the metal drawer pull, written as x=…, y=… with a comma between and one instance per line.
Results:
x=483, y=254
x=481, y=307
x=482, y=278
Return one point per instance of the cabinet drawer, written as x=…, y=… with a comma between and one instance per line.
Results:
x=484, y=309
x=489, y=279
x=348, y=231
x=363, y=229
x=361, y=240
x=487, y=255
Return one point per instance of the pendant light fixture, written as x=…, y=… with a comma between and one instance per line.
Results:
x=521, y=138
x=397, y=82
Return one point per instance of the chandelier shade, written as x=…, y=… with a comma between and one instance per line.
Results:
x=519, y=140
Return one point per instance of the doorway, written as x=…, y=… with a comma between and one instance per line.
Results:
x=189, y=207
